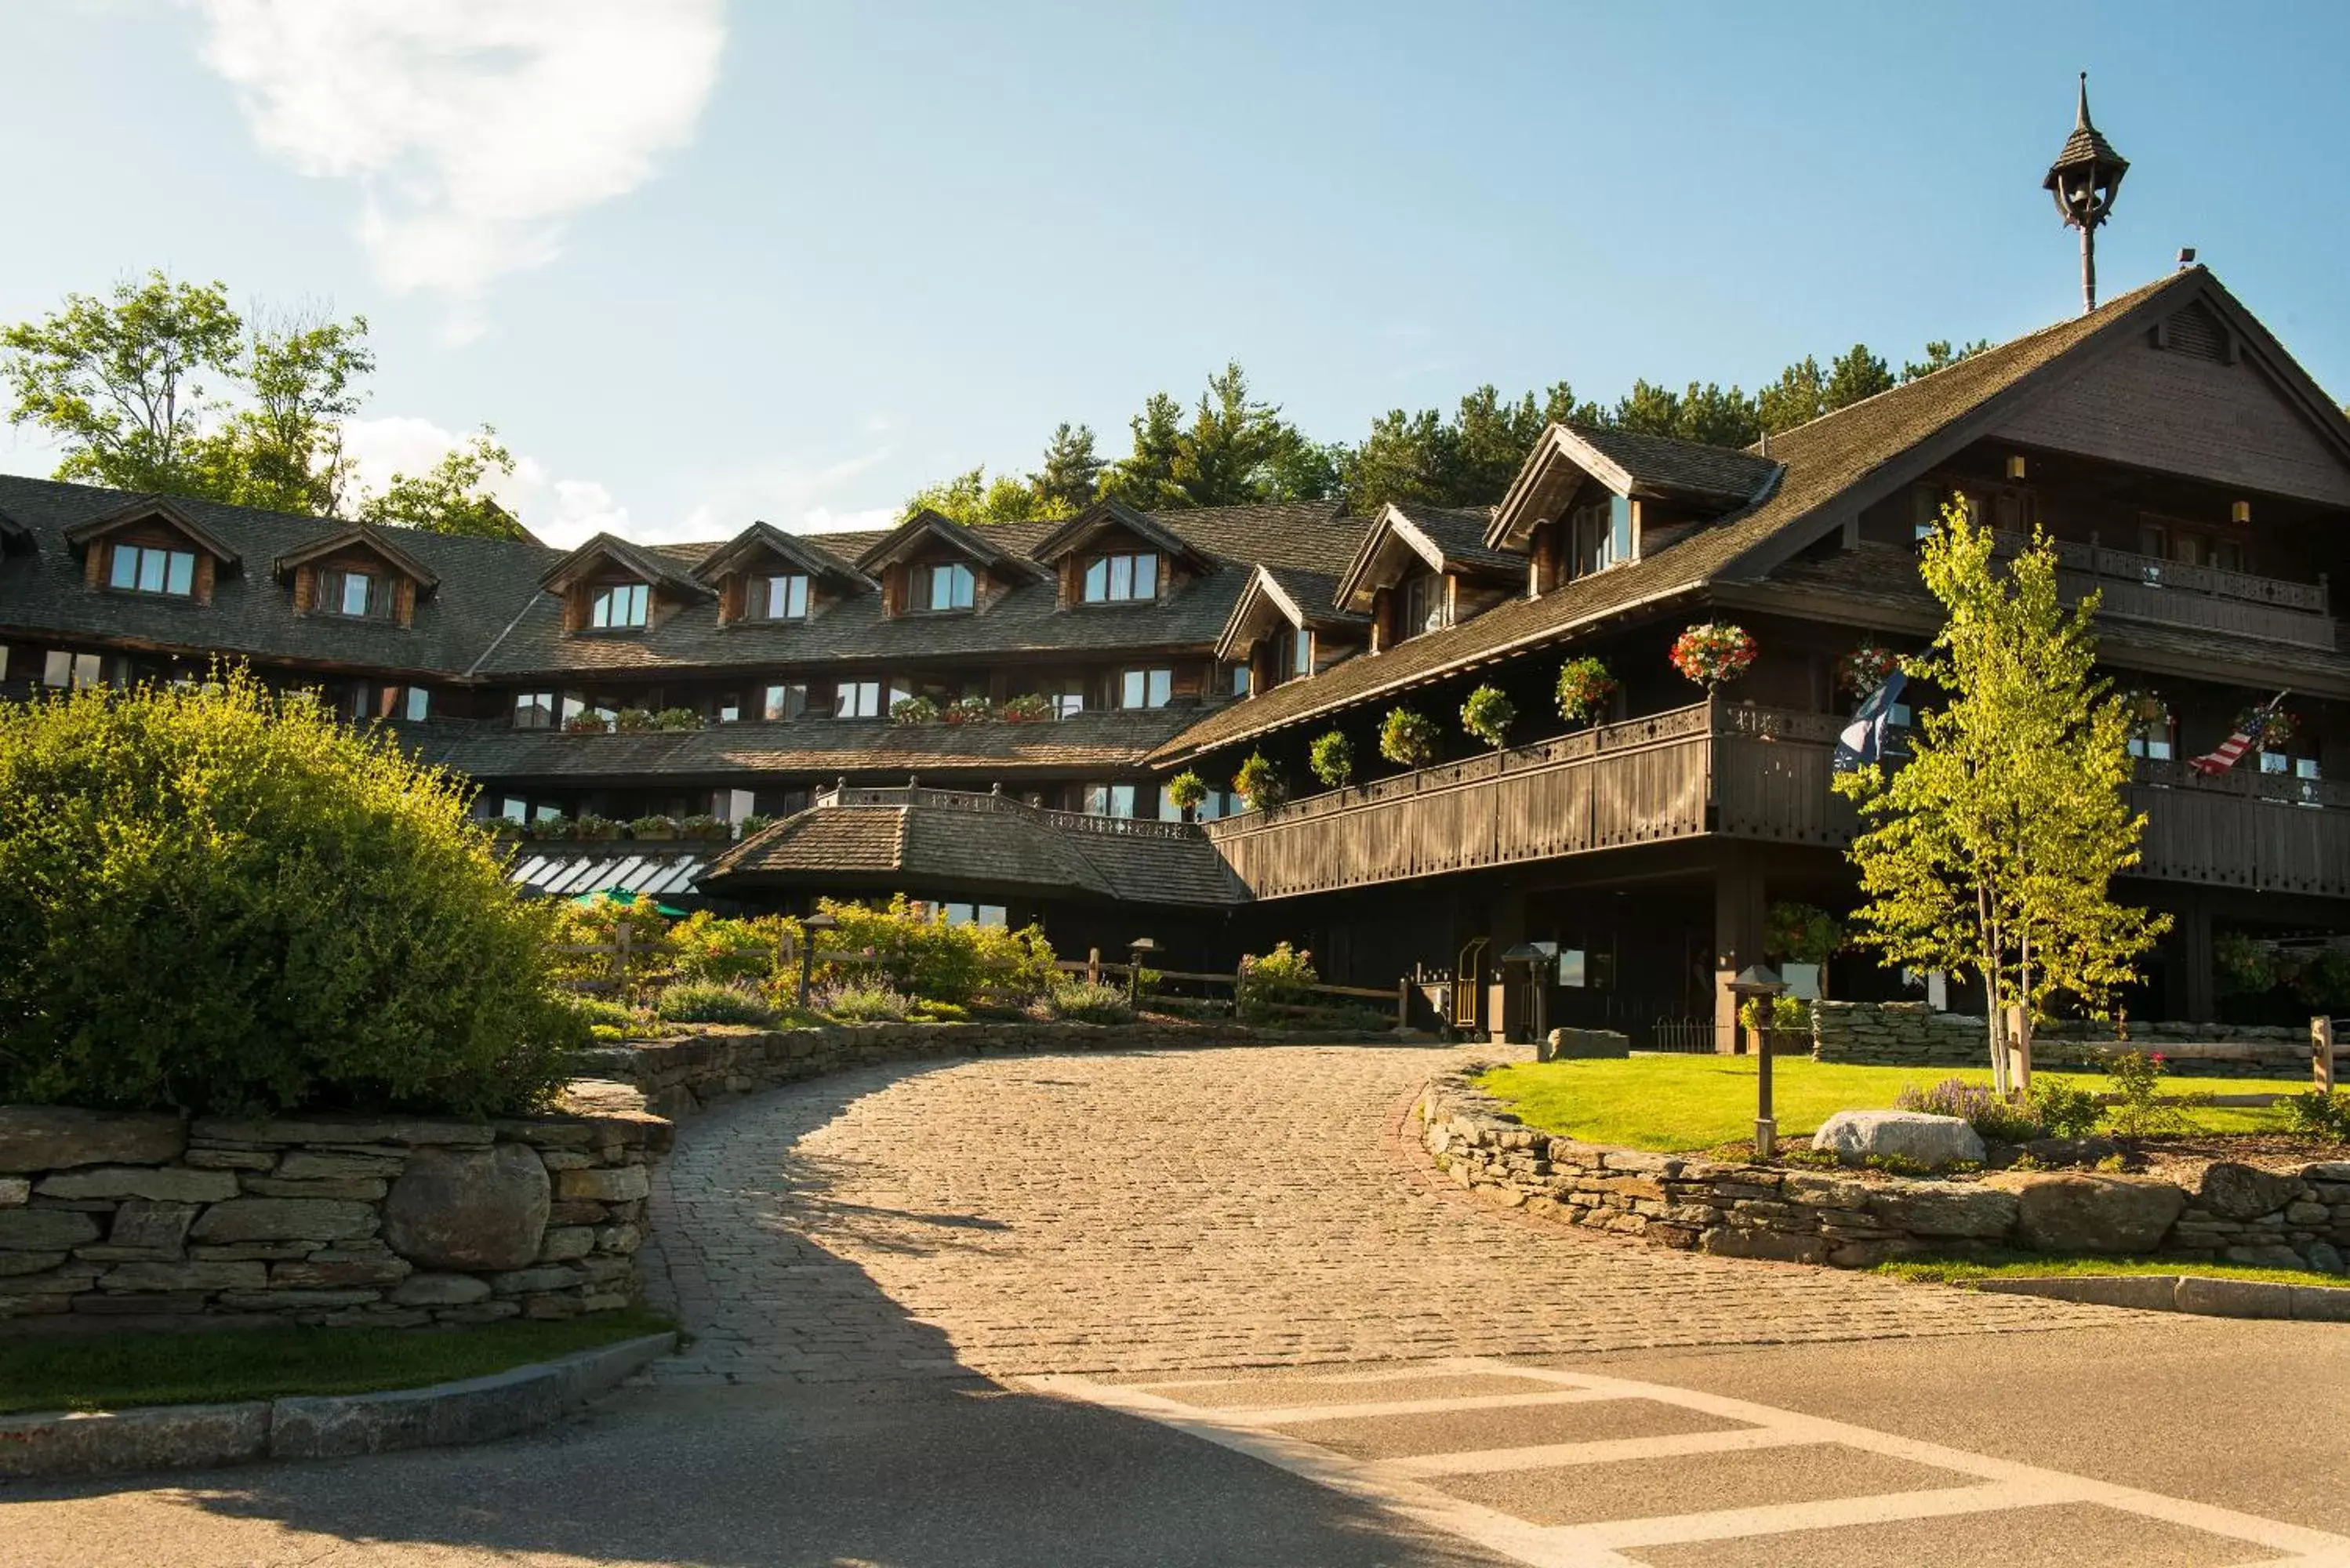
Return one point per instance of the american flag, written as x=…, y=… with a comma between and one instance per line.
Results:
x=2241, y=741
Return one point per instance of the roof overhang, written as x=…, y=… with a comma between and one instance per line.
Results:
x=765, y=538
x=1262, y=604
x=151, y=509
x=359, y=535
x=611, y=551
x=1110, y=516
x=1389, y=545
x=1564, y=458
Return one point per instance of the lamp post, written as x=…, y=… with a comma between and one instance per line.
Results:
x=819, y=921
x=1759, y=981
x=1137, y=951
x=2084, y=180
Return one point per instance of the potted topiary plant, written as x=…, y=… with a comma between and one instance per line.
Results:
x=913, y=711
x=1488, y=715
x=1026, y=709
x=1186, y=790
x=653, y=827
x=1713, y=654
x=1408, y=738
x=1584, y=688
x=1333, y=759
x=1260, y=783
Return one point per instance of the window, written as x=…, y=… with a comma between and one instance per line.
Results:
x=419, y=704
x=1426, y=605
x=1240, y=680
x=1216, y=803
x=1602, y=537
x=355, y=594
x=513, y=808
x=1120, y=579
x=1145, y=687
x=858, y=699
x=785, y=700
x=1293, y=654
x=1067, y=704
x=786, y=596
x=970, y=914
x=947, y=587
x=149, y=570
x=1109, y=800
x=617, y=605
x=534, y=711
x=726, y=707
x=64, y=668
x=2151, y=734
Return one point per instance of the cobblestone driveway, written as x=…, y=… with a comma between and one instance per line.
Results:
x=1142, y=1211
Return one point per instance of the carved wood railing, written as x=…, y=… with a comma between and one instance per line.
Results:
x=1004, y=806
x=2135, y=587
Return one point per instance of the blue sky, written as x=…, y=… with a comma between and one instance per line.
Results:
x=706, y=263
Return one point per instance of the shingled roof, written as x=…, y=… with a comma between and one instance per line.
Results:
x=1836, y=464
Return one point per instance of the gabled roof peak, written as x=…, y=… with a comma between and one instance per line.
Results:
x=633, y=559
x=143, y=509
x=964, y=540
x=1109, y=513
x=366, y=537
x=796, y=551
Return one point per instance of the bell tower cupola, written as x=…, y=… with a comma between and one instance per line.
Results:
x=2084, y=180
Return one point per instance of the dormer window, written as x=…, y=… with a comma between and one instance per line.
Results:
x=1426, y=605
x=618, y=606
x=784, y=597
x=1602, y=537
x=359, y=594
x=1122, y=578
x=153, y=569
x=947, y=586
x=1293, y=654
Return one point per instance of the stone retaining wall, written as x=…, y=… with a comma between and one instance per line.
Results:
x=680, y=1073
x=1856, y=1219
x=1912, y=1034
x=370, y=1221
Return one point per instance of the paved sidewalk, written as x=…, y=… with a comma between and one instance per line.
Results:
x=1142, y=1211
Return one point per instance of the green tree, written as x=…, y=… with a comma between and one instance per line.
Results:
x=1992, y=851
x=120, y=383
x=1072, y=472
x=1941, y=355
x=1233, y=450
x=284, y=451
x=1797, y=398
x=1145, y=479
x=1856, y=374
x=452, y=496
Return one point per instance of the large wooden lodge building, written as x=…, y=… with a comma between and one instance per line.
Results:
x=2188, y=468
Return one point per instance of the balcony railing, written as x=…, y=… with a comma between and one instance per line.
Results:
x=2146, y=587
x=1003, y=806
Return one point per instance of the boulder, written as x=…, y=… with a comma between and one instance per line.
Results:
x=469, y=1209
x=1944, y=1209
x=1902, y=1135
x=45, y=1230
x=2234, y=1191
x=283, y=1220
x=54, y=1138
x=605, y=1184
x=2074, y=1212
x=2071, y=1151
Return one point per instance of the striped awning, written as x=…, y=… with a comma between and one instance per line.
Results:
x=567, y=876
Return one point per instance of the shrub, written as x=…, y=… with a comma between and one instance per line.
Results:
x=1975, y=1104
x=1333, y=758
x=1800, y=933
x=753, y=825
x=603, y=1013
x=1260, y=783
x=710, y=1001
x=2317, y=1115
x=653, y=827
x=1488, y=715
x=715, y=946
x=864, y=1003
x=588, y=724
x=633, y=720
x=1090, y=1003
x=1187, y=789
x=1792, y=1014
x=224, y=900
x=676, y=718
x=2063, y=1110
x=940, y=1013
x=1583, y=688
x=913, y=711
x=920, y=953
x=2144, y=1111
x=596, y=924
x=2323, y=982
x=1275, y=980
x=1408, y=739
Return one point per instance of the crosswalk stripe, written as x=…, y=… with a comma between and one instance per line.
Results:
x=1599, y=1451
x=1287, y=1415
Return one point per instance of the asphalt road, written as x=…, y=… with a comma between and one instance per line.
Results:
x=2252, y=1418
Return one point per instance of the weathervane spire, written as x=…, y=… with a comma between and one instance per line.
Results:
x=2084, y=180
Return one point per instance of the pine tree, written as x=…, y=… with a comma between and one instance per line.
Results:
x=1071, y=475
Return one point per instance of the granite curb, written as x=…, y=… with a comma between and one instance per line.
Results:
x=317, y=1427
x=2187, y=1293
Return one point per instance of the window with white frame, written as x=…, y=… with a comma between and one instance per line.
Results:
x=1293, y=654
x=1122, y=578
x=1602, y=537
x=1145, y=687
x=1240, y=686
x=65, y=670
x=784, y=596
x=961, y=914
x=618, y=605
x=152, y=569
x=947, y=586
x=857, y=700
x=1427, y=606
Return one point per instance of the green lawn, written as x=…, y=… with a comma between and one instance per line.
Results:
x=1680, y=1103
x=2026, y=1266
x=109, y=1372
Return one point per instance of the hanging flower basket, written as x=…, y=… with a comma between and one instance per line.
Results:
x=2144, y=706
x=1713, y=654
x=2269, y=730
x=1867, y=668
x=1583, y=688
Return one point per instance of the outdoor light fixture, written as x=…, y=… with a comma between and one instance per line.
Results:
x=1753, y=980
x=1137, y=951
x=2015, y=465
x=819, y=921
x=2084, y=180
x=2239, y=511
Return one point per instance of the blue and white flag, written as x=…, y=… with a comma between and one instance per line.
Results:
x=1862, y=741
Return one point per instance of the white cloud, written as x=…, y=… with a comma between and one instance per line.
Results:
x=475, y=128
x=801, y=497
x=560, y=511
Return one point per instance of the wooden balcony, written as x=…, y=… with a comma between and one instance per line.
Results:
x=2172, y=593
x=1733, y=771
